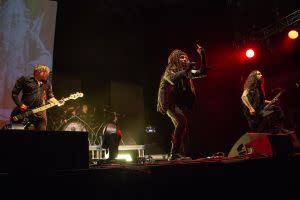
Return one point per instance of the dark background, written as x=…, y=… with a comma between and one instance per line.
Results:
x=97, y=42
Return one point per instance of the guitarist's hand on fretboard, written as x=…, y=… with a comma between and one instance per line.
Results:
x=267, y=101
x=61, y=102
x=275, y=100
x=57, y=102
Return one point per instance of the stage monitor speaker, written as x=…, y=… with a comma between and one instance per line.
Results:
x=43, y=150
x=265, y=144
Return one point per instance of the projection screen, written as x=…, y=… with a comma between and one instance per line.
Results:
x=27, y=29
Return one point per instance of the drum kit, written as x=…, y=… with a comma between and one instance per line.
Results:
x=75, y=121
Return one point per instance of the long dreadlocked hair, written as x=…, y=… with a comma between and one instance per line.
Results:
x=174, y=64
x=173, y=60
x=252, y=82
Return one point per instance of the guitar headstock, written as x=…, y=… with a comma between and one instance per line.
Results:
x=76, y=95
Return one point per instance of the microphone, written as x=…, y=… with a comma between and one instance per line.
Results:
x=200, y=73
x=191, y=65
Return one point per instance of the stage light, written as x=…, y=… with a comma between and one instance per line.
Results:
x=150, y=129
x=293, y=34
x=250, y=53
x=126, y=157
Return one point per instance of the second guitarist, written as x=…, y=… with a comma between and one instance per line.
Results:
x=36, y=91
x=254, y=102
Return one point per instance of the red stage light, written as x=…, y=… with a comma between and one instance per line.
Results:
x=250, y=53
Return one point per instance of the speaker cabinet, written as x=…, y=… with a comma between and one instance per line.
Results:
x=265, y=144
x=43, y=150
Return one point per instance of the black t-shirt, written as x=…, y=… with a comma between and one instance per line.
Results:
x=256, y=99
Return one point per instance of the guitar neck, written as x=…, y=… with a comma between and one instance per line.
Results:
x=272, y=101
x=21, y=116
x=45, y=107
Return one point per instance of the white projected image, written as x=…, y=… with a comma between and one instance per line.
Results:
x=26, y=38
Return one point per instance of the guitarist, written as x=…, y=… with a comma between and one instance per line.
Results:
x=36, y=91
x=254, y=101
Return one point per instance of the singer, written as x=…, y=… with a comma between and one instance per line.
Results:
x=176, y=97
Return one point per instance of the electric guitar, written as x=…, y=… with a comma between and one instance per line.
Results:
x=17, y=115
x=266, y=110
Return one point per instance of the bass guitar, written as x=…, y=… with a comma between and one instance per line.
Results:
x=18, y=116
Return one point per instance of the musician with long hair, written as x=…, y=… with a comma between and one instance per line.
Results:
x=254, y=101
x=36, y=92
x=176, y=96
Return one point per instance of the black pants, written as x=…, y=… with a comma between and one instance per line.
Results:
x=37, y=122
x=180, y=138
x=111, y=142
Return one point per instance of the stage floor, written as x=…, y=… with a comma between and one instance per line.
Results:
x=202, y=178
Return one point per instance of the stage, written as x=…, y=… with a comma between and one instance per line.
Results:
x=206, y=178
x=56, y=165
